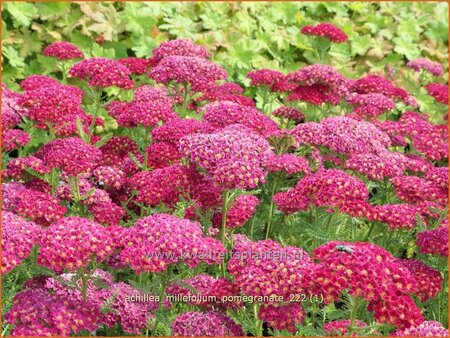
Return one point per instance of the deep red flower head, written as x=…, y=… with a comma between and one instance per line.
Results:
x=327, y=30
x=102, y=72
x=63, y=51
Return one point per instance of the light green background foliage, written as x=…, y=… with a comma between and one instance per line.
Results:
x=241, y=35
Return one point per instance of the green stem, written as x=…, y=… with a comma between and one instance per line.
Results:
x=225, y=198
x=355, y=304
x=160, y=301
x=258, y=323
x=327, y=225
x=84, y=286
x=271, y=208
x=224, y=216
x=372, y=226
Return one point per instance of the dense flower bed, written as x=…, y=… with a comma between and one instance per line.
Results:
x=151, y=196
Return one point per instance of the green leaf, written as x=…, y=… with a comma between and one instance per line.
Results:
x=360, y=44
x=21, y=12
x=138, y=19
x=404, y=46
x=13, y=57
x=409, y=29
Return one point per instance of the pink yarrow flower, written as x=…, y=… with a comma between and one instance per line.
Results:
x=63, y=51
x=327, y=30
x=102, y=72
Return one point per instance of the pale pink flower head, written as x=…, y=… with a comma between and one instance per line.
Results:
x=434, y=68
x=102, y=72
x=63, y=50
x=428, y=328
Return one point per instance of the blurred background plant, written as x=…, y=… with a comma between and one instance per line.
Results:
x=241, y=35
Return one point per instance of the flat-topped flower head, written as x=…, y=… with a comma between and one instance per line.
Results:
x=211, y=324
x=163, y=185
x=265, y=77
x=18, y=238
x=434, y=242
x=370, y=105
x=35, y=81
x=341, y=327
x=14, y=138
x=41, y=207
x=241, y=210
x=116, y=150
x=429, y=328
x=266, y=268
x=289, y=113
x=178, y=47
x=224, y=113
x=289, y=163
x=282, y=317
x=413, y=189
x=327, y=30
x=174, y=129
x=101, y=289
x=438, y=91
x=434, y=68
x=377, y=167
x=102, y=72
x=343, y=135
x=317, y=74
x=50, y=104
x=72, y=155
x=199, y=73
x=398, y=216
x=36, y=311
x=72, y=242
x=429, y=280
x=370, y=272
x=63, y=50
x=155, y=242
x=377, y=84
x=327, y=188
x=135, y=65
x=232, y=156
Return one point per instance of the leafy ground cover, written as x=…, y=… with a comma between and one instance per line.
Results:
x=248, y=169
